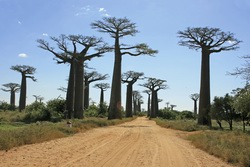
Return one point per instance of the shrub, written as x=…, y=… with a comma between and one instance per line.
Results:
x=167, y=114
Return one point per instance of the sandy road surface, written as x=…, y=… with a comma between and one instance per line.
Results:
x=140, y=143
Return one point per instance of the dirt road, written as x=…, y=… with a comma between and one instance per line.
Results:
x=140, y=143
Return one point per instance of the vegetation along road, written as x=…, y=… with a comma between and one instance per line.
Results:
x=138, y=143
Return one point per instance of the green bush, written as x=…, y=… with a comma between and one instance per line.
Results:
x=167, y=114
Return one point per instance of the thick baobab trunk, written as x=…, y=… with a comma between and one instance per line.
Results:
x=78, y=106
x=204, y=105
x=134, y=105
x=102, y=97
x=12, y=98
x=129, y=100
x=22, y=99
x=149, y=105
x=71, y=91
x=115, y=98
x=195, y=108
x=156, y=104
x=153, y=100
x=86, y=94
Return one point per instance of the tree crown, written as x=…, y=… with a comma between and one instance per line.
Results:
x=212, y=39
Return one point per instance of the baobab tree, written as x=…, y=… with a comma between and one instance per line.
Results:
x=118, y=28
x=154, y=85
x=26, y=72
x=90, y=77
x=172, y=106
x=76, y=59
x=38, y=98
x=130, y=77
x=137, y=101
x=13, y=88
x=209, y=40
x=148, y=92
x=103, y=87
x=195, y=98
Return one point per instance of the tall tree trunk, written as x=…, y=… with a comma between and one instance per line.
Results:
x=139, y=105
x=129, y=100
x=115, y=98
x=152, y=113
x=102, y=97
x=22, y=100
x=156, y=104
x=148, y=105
x=78, y=106
x=134, y=105
x=195, y=109
x=12, y=98
x=204, y=105
x=71, y=91
x=86, y=94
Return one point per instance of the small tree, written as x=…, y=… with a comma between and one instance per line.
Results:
x=12, y=88
x=195, y=98
x=26, y=72
x=209, y=40
x=118, y=28
x=241, y=104
x=90, y=77
x=130, y=77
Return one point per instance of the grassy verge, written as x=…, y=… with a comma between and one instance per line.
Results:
x=231, y=146
x=12, y=135
x=184, y=125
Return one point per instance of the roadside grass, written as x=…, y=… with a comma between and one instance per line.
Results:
x=13, y=135
x=184, y=125
x=231, y=146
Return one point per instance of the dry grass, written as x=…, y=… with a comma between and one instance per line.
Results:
x=21, y=134
x=232, y=147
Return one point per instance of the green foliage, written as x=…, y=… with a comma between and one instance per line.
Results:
x=241, y=104
x=184, y=125
x=4, y=106
x=56, y=107
x=92, y=111
x=233, y=146
x=175, y=115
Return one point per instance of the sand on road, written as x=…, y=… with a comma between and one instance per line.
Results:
x=140, y=143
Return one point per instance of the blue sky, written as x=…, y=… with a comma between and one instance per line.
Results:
x=158, y=21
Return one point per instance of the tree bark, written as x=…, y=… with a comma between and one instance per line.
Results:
x=86, y=94
x=195, y=108
x=152, y=113
x=149, y=105
x=71, y=91
x=129, y=100
x=78, y=106
x=115, y=98
x=22, y=99
x=204, y=103
x=12, y=98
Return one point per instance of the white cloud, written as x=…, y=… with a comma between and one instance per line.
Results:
x=45, y=34
x=106, y=15
x=102, y=10
x=19, y=22
x=23, y=55
x=84, y=10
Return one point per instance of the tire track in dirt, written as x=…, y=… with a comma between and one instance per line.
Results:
x=139, y=143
